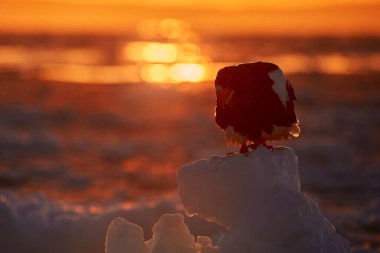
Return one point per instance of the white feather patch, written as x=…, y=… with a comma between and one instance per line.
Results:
x=279, y=86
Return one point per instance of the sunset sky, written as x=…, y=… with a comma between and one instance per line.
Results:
x=225, y=17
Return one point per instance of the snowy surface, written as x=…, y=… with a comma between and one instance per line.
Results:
x=256, y=196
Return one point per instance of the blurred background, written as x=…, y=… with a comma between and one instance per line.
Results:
x=102, y=101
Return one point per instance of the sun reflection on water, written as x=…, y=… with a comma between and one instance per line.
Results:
x=154, y=73
x=155, y=52
x=167, y=52
x=191, y=72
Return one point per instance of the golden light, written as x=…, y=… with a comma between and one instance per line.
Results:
x=172, y=28
x=168, y=28
x=147, y=29
x=12, y=55
x=190, y=53
x=187, y=72
x=174, y=61
x=160, y=52
x=333, y=64
x=155, y=73
x=294, y=63
x=156, y=52
x=74, y=73
x=227, y=17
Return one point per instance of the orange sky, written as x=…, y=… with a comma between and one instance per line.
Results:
x=223, y=17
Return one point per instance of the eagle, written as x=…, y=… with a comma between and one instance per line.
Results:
x=255, y=104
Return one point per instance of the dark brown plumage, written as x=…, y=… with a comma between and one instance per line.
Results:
x=255, y=103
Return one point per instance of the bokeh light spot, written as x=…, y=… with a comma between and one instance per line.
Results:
x=187, y=72
x=159, y=52
x=151, y=52
x=155, y=73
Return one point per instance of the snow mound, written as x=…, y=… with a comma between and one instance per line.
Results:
x=171, y=235
x=257, y=197
x=123, y=236
x=219, y=187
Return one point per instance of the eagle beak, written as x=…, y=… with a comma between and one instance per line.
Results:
x=224, y=97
